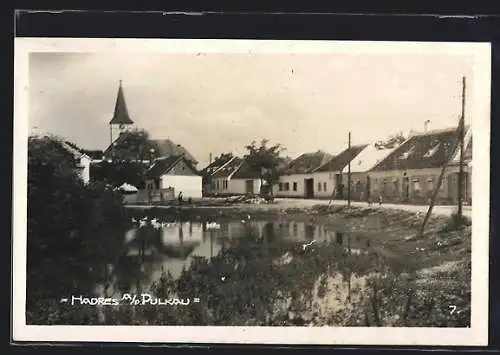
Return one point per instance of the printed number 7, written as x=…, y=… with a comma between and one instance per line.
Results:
x=453, y=308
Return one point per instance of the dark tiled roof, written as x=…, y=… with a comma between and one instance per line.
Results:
x=215, y=165
x=167, y=148
x=121, y=115
x=308, y=162
x=94, y=154
x=429, y=150
x=164, y=165
x=228, y=169
x=339, y=162
x=164, y=148
x=75, y=147
x=246, y=171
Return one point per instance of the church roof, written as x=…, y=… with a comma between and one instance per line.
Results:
x=121, y=115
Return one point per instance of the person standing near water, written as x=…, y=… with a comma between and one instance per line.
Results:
x=180, y=198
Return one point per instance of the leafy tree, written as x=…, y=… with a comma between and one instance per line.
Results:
x=72, y=231
x=266, y=160
x=116, y=173
x=133, y=145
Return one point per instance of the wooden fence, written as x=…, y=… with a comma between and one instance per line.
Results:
x=150, y=196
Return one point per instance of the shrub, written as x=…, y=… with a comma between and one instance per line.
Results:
x=456, y=222
x=116, y=173
x=64, y=217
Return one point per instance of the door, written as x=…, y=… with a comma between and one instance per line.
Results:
x=368, y=188
x=406, y=189
x=309, y=188
x=338, y=186
x=249, y=187
x=465, y=183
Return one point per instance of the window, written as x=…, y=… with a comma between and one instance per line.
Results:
x=217, y=184
x=416, y=186
x=430, y=184
x=319, y=186
x=224, y=184
x=432, y=151
x=287, y=186
x=324, y=186
x=441, y=186
x=294, y=186
x=280, y=186
x=406, y=154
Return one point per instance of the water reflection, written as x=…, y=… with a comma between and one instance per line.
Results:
x=147, y=251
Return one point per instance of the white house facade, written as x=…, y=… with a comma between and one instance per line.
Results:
x=175, y=173
x=82, y=161
x=299, y=178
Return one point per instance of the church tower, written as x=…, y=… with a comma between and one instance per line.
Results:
x=121, y=121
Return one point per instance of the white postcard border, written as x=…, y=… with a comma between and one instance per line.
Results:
x=476, y=335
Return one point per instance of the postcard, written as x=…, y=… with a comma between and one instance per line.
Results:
x=251, y=191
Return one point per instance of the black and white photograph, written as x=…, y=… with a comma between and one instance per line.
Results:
x=244, y=191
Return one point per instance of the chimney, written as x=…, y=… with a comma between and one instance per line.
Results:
x=210, y=158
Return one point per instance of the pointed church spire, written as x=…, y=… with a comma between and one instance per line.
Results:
x=121, y=116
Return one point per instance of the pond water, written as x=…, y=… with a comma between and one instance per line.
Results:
x=149, y=250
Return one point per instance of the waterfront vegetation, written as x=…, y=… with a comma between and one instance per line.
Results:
x=75, y=230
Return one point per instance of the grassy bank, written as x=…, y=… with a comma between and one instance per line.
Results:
x=396, y=280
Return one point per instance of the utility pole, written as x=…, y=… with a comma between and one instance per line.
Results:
x=349, y=173
x=461, y=165
x=459, y=143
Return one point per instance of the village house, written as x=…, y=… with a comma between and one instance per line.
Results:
x=453, y=170
x=222, y=178
x=175, y=174
x=328, y=177
x=246, y=180
x=210, y=170
x=298, y=179
x=82, y=160
x=361, y=166
x=410, y=173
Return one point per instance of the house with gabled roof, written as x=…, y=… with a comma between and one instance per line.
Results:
x=453, y=169
x=298, y=179
x=210, y=170
x=328, y=176
x=246, y=180
x=410, y=173
x=222, y=177
x=82, y=160
x=361, y=165
x=177, y=173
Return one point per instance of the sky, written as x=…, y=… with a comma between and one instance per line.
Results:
x=216, y=103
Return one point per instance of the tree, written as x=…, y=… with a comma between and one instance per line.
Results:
x=266, y=160
x=73, y=229
x=116, y=173
x=134, y=145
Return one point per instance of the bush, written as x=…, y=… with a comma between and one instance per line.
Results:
x=456, y=222
x=66, y=225
x=116, y=173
